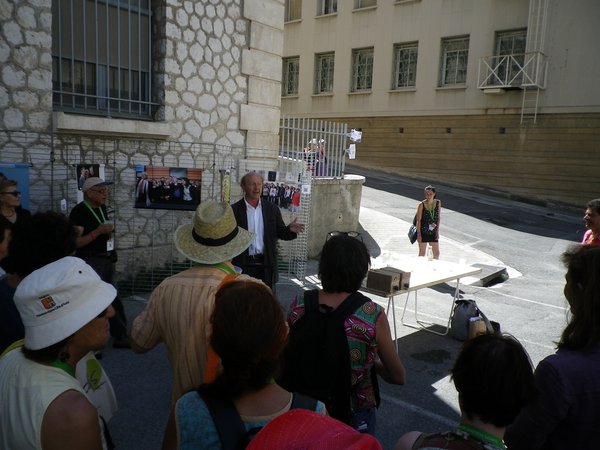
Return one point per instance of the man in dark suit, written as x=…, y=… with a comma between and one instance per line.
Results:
x=264, y=219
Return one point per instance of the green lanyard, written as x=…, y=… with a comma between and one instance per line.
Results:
x=96, y=215
x=482, y=436
x=64, y=366
x=221, y=266
x=432, y=212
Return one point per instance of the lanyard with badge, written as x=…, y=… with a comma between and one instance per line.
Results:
x=110, y=242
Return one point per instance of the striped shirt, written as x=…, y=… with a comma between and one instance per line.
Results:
x=178, y=314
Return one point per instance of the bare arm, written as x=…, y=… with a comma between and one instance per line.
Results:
x=71, y=423
x=418, y=224
x=105, y=228
x=406, y=442
x=389, y=366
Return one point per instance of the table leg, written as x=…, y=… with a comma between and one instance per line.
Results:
x=420, y=324
x=392, y=303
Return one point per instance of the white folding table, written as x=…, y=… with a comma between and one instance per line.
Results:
x=424, y=274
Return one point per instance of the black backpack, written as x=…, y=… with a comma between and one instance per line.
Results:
x=316, y=361
x=230, y=427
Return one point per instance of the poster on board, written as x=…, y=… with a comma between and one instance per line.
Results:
x=159, y=187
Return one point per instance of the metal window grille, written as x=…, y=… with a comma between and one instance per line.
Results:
x=293, y=10
x=455, y=55
x=101, y=57
x=405, y=65
x=324, y=66
x=291, y=72
x=362, y=69
x=326, y=7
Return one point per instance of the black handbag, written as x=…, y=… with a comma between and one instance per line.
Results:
x=412, y=231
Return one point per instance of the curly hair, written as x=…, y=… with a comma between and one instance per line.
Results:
x=583, y=294
x=494, y=378
x=344, y=264
x=249, y=333
x=39, y=240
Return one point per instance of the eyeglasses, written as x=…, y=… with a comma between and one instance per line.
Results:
x=14, y=193
x=100, y=191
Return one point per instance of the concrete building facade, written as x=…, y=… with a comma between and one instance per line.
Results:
x=501, y=95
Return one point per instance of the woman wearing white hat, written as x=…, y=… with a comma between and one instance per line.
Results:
x=65, y=308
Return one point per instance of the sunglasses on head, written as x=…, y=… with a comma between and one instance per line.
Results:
x=15, y=193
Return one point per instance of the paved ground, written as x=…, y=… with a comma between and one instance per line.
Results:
x=476, y=228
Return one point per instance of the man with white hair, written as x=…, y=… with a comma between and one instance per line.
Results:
x=65, y=308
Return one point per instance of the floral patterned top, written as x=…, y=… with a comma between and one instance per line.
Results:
x=362, y=343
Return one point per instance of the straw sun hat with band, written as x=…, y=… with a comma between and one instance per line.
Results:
x=214, y=236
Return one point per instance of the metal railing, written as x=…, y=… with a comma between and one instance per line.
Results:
x=320, y=144
x=513, y=71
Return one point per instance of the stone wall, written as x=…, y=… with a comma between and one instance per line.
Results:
x=25, y=65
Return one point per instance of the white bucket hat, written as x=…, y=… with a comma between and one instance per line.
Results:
x=214, y=235
x=60, y=298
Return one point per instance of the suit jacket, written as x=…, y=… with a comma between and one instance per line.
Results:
x=275, y=229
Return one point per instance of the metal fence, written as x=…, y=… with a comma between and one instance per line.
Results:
x=321, y=144
x=144, y=236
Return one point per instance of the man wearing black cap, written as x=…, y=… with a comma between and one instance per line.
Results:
x=96, y=246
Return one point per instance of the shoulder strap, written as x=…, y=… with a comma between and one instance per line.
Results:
x=488, y=324
x=228, y=422
x=301, y=401
x=350, y=304
x=311, y=300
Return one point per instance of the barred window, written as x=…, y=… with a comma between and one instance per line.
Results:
x=454, y=59
x=405, y=65
x=326, y=7
x=510, y=43
x=362, y=69
x=291, y=71
x=364, y=3
x=293, y=10
x=324, y=65
x=101, y=57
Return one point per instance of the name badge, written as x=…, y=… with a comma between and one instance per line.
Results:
x=110, y=244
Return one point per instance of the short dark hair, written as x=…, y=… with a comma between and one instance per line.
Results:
x=594, y=204
x=583, y=272
x=39, y=240
x=48, y=354
x=494, y=378
x=249, y=333
x=344, y=263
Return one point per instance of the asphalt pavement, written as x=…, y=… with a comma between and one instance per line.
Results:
x=477, y=228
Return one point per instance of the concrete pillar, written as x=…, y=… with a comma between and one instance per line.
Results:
x=335, y=207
